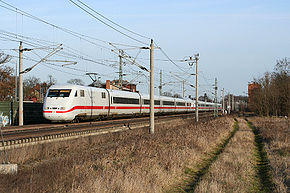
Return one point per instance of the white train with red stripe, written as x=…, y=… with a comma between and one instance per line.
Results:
x=72, y=102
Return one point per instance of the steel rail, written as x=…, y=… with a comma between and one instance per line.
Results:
x=23, y=137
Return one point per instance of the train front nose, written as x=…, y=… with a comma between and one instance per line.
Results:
x=57, y=115
x=57, y=104
x=52, y=115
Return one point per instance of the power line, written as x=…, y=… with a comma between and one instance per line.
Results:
x=172, y=61
x=106, y=23
x=113, y=21
x=76, y=34
x=37, y=42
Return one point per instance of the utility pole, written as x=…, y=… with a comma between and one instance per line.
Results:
x=191, y=61
x=21, y=72
x=223, y=101
x=215, y=99
x=16, y=80
x=233, y=103
x=160, y=86
x=120, y=70
x=20, y=113
x=183, y=89
x=229, y=101
x=151, y=87
x=196, y=88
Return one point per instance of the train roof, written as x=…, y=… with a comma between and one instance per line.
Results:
x=126, y=93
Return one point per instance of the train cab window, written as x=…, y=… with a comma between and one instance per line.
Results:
x=76, y=94
x=103, y=95
x=59, y=92
x=82, y=93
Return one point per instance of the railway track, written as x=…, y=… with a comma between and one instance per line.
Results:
x=18, y=137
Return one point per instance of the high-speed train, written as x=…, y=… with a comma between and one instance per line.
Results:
x=73, y=102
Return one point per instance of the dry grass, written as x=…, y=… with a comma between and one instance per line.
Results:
x=132, y=161
x=233, y=171
x=275, y=132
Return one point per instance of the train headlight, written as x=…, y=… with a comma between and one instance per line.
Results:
x=46, y=108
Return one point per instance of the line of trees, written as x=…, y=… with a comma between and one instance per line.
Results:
x=272, y=98
x=34, y=89
x=7, y=81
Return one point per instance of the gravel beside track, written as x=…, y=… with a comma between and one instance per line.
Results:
x=20, y=136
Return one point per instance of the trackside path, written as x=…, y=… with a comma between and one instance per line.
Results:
x=275, y=134
x=195, y=175
x=263, y=170
x=234, y=170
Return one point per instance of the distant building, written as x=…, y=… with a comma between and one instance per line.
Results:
x=114, y=85
x=251, y=90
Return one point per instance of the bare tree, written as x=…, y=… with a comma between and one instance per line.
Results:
x=177, y=96
x=76, y=81
x=29, y=87
x=7, y=81
x=4, y=58
x=167, y=94
x=272, y=98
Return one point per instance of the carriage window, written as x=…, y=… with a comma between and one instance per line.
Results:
x=146, y=102
x=76, y=94
x=122, y=100
x=156, y=102
x=168, y=103
x=103, y=95
x=59, y=92
x=82, y=93
x=180, y=104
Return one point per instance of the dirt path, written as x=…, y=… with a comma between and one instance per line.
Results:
x=132, y=161
x=234, y=170
x=272, y=157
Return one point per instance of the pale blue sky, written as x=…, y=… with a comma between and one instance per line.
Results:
x=237, y=40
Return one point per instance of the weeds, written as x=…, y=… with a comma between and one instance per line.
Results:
x=263, y=168
x=132, y=161
x=194, y=176
x=275, y=136
x=233, y=171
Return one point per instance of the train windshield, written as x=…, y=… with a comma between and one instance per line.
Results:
x=59, y=93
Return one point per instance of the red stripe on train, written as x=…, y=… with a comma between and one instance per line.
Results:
x=120, y=107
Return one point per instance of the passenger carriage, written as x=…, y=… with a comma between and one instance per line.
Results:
x=70, y=102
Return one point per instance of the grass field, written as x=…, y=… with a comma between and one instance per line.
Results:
x=233, y=171
x=219, y=155
x=132, y=161
x=276, y=136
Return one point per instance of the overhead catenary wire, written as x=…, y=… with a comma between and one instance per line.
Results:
x=73, y=33
x=133, y=62
x=34, y=42
x=172, y=60
x=106, y=23
x=113, y=21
